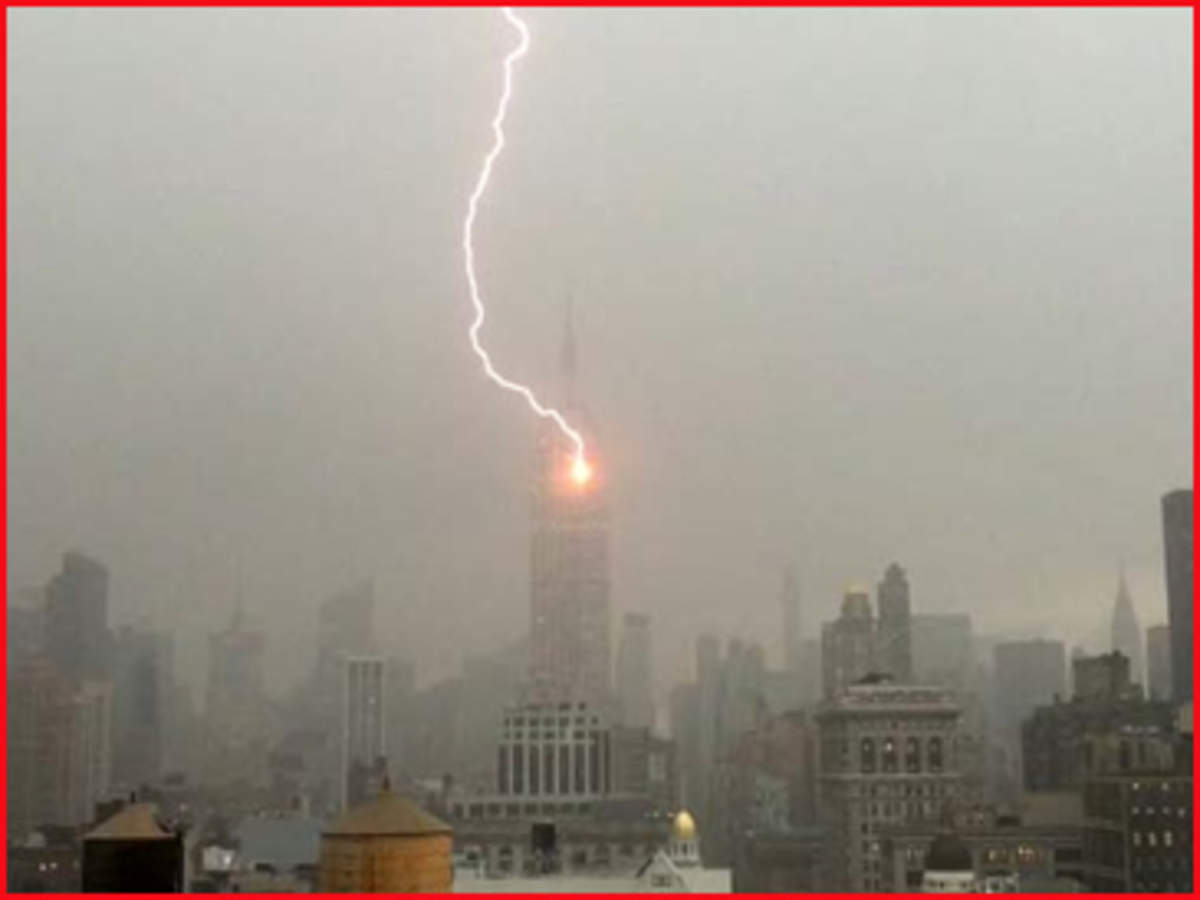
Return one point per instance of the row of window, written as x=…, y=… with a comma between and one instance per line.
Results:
x=577, y=771
x=515, y=810
x=885, y=757
x=1151, y=838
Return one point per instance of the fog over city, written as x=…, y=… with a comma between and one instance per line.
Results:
x=849, y=288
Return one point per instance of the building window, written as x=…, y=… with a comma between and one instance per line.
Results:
x=518, y=754
x=580, y=785
x=594, y=764
x=535, y=772
x=890, y=755
x=548, y=768
x=867, y=756
x=935, y=754
x=912, y=755
x=564, y=768
x=502, y=771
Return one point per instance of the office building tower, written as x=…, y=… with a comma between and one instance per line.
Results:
x=635, y=680
x=894, y=642
x=235, y=699
x=1177, y=541
x=77, y=619
x=143, y=682
x=1127, y=633
x=848, y=643
x=886, y=757
x=364, y=729
x=1158, y=661
x=26, y=618
x=570, y=641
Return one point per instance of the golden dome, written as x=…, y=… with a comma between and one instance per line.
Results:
x=857, y=587
x=684, y=828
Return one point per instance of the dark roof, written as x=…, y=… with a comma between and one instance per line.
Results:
x=948, y=854
x=388, y=814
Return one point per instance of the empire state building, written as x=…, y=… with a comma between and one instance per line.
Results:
x=570, y=642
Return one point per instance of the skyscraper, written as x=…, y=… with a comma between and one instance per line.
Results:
x=848, y=643
x=789, y=600
x=1158, y=661
x=570, y=641
x=634, y=676
x=77, y=619
x=364, y=729
x=143, y=681
x=235, y=701
x=894, y=649
x=1177, y=541
x=1126, y=633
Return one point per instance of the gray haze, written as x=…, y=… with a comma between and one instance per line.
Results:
x=851, y=286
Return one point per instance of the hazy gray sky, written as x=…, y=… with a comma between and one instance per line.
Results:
x=851, y=286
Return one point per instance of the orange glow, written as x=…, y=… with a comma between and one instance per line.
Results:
x=581, y=471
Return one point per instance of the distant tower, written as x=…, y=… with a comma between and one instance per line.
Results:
x=364, y=729
x=789, y=600
x=1158, y=661
x=1177, y=540
x=77, y=619
x=235, y=697
x=634, y=676
x=1126, y=633
x=895, y=625
x=570, y=639
x=848, y=643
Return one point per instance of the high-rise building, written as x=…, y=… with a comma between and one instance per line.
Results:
x=886, y=757
x=1028, y=674
x=364, y=729
x=40, y=728
x=1054, y=739
x=894, y=642
x=91, y=750
x=77, y=619
x=635, y=680
x=1177, y=540
x=26, y=617
x=143, y=682
x=235, y=699
x=789, y=600
x=848, y=643
x=1158, y=661
x=570, y=640
x=1127, y=633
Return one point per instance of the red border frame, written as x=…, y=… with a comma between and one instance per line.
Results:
x=477, y=3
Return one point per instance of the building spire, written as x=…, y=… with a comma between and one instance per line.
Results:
x=569, y=355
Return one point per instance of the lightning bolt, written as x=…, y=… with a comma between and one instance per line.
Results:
x=580, y=468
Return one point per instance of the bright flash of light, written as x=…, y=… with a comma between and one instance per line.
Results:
x=581, y=471
x=580, y=464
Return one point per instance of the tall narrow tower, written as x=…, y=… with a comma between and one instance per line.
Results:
x=570, y=640
x=1126, y=633
x=895, y=625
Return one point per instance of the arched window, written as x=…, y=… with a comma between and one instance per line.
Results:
x=867, y=760
x=912, y=755
x=935, y=754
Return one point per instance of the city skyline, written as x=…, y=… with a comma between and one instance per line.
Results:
x=820, y=326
